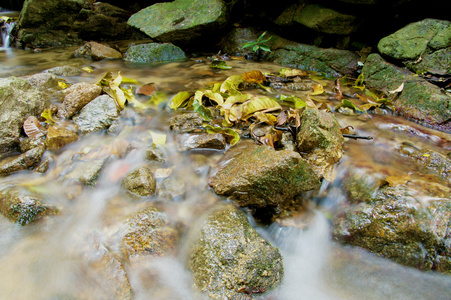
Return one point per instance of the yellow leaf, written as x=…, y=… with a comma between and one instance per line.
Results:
x=287, y=72
x=259, y=103
x=87, y=69
x=63, y=84
x=317, y=89
x=231, y=84
x=158, y=138
x=180, y=100
x=426, y=155
x=235, y=99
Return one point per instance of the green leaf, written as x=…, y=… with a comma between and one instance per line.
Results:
x=200, y=108
x=220, y=64
x=231, y=135
x=359, y=82
x=349, y=104
x=298, y=102
x=265, y=48
x=180, y=100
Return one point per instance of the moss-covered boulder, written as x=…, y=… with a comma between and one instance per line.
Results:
x=398, y=226
x=229, y=260
x=320, y=140
x=148, y=232
x=140, y=182
x=154, y=52
x=180, y=20
x=332, y=62
x=419, y=99
x=260, y=176
x=22, y=207
x=417, y=39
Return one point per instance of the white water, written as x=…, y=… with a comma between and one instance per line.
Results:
x=6, y=35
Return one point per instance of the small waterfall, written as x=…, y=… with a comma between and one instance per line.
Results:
x=6, y=31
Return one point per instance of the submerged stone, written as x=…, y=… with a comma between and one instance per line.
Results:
x=22, y=207
x=205, y=141
x=229, y=260
x=140, y=182
x=148, y=232
x=25, y=161
x=154, y=52
x=260, y=176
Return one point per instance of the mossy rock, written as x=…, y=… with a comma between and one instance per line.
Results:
x=154, y=52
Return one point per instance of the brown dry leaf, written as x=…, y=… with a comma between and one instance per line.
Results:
x=338, y=89
x=147, y=89
x=397, y=180
x=33, y=128
x=317, y=89
x=254, y=77
x=347, y=129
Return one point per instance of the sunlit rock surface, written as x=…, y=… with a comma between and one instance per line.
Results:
x=229, y=260
x=261, y=176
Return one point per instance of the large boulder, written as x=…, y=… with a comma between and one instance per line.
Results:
x=154, y=52
x=333, y=62
x=181, y=21
x=229, y=260
x=419, y=99
x=260, y=176
x=19, y=99
x=397, y=226
x=48, y=23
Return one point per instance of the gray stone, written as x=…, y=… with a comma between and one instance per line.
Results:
x=229, y=260
x=186, y=122
x=154, y=52
x=204, y=141
x=97, y=115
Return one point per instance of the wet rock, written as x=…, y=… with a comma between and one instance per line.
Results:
x=326, y=20
x=148, y=233
x=97, y=51
x=433, y=161
x=186, y=122
x=18, y=100
x=232, y=42
x=64, y=71
x=154, y=52
x=183, y=20
x=30, y=143
x=43, y=81
x=417, y=39
x=58, y=137
x=97, y=115
x=76, y=97
x=71, y=23
x=419, y=99
x=359, y=186
x=25, y=161
x=154, y=154
x=173, y=187
x=399, y=227
x=320, y=140
x=311, y=58
x=86, y=172
x=201, y=141
x=22, y=207
x=140, y=182
x=229, y=260
x=260, y=176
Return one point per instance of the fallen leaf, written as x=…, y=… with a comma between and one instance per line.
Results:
x=231, y=135
x=398, y=90
x=397, y=180
x=317, y=89
x=32, y=127
x=147, y=89
x=287, y=72
x=253, y=77
x=180, y=100
x=220, y=64
x=158, y=138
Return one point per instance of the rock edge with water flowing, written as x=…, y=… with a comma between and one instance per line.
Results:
x=229, y=260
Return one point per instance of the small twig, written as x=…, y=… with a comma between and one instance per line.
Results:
x=355, y=137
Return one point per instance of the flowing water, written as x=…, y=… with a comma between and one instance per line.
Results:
x=53, y=259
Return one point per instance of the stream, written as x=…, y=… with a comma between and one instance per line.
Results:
x=49, y=260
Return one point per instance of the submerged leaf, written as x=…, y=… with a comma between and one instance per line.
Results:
x=158, y=138
x=231, y=135
x=220, y=64
x=317, y=89
x=287, y=72
x=253, y=77
x=87, y=69
x=396, y=180
x=147, y=89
